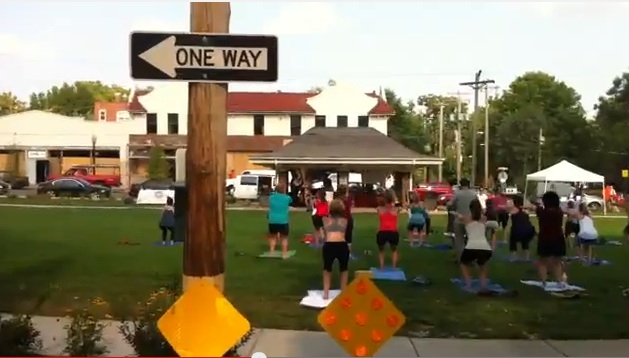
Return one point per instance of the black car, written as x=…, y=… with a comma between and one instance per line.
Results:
x=14, y=181
x=151, y=184
x=73, y=187
x=4, y=187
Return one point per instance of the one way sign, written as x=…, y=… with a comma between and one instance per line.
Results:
x=203, y=57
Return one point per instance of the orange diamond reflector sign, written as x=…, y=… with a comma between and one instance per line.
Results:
x=361, y=319
x=202, y=323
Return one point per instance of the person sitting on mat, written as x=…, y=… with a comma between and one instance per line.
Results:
x=477, y=249
x=335, y=247
x=416, y=221
x=588, y=235
x=388, y=233
x=320, y=210
x=348, y=204
x=167, y=221
x=551, y=243
x=571, y=227
x=278, y=216
x=522, y=230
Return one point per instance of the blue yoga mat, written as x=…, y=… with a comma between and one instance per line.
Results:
x=491, y=286
x=438, y=247
x=390, y=274
x=515, y=261
x=159, y=243
x=594, y=262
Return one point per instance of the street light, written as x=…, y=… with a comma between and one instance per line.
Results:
x=93, y=156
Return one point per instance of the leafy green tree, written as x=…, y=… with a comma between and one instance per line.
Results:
x=537, y=100
x=612, y=123
x=158, y=165
x=9, y=104
x=76, y=99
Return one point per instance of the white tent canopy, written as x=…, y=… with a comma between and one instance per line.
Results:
x=565, y=171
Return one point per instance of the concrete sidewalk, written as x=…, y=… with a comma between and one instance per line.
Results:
x=282, y=343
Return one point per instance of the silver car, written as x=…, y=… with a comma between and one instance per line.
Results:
x=593, y=202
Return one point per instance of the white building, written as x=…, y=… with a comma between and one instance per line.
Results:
x=38, y=143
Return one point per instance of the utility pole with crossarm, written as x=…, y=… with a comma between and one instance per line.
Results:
x=476, y=85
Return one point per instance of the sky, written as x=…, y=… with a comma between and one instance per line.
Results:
x=413, y=48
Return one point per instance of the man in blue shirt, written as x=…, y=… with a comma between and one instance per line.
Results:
x=279, y=206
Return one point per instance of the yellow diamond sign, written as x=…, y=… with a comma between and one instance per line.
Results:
x=361, y=319
x=202, y=323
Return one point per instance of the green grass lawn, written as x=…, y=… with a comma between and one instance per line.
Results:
x=50, y=256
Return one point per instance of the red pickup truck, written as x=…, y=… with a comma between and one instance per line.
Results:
x=90, y=174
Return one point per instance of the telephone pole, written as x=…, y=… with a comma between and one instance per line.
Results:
x=204, y=245
x=459, y=137
x=476, y=85
x=441, y=108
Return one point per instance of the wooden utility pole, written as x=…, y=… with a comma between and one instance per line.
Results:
x=459, y=138
x=441, y=108
x=486, y=159
x=476, y=85
x=204, y=246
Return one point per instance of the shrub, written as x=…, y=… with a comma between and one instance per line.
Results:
x=18, y=337
x=84, y=332
x=229, y=199
x=142, y=332
x=158, y=165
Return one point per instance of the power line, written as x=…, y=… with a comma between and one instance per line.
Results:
x=476, y=85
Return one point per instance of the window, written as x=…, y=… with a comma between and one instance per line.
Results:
x=151, y=123
x=102, y=115
x=319, y=121
x=295, y=125
x=363, y=121
x=173, y=123
x=67, y=183
x=249, y=180
x=341, y=121
x=258, y=124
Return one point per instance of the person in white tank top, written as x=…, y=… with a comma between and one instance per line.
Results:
x=477, y=249
x=588, y=235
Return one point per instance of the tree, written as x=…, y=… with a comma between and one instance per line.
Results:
x=76, y=99
x=612, y=125
x=430, y=111
x=537, y=100
x=9, y=104
x=158, y=165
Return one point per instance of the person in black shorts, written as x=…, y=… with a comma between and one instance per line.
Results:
x=551, y=244
x=522, y=230
x=388, y=233
x=335, y=248
x=571, y=227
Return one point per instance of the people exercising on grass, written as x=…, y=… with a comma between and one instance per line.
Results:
x=278, y=217
x=319, y=211
x=477, y=249
x=551, y=243
x=588, y=235
x=522, y=230
x=571, y=227
x=388, y=234
x=348, y=203
x=416, y=227
x=167, y=221
x=335, y=248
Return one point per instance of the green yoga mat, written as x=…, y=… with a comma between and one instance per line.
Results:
x=276, y=254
